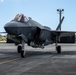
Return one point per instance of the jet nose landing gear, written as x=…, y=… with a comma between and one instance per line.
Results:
x=21, y=49
x=23, y=54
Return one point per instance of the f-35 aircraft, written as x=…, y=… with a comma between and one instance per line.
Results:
x=24, y=29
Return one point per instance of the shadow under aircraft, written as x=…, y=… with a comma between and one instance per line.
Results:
x=24, y=29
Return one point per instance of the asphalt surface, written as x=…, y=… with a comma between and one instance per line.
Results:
x=38, y=61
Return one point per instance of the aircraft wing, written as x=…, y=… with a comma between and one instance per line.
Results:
x=61, y=32
x=60, y=36
x=64, y=36
x=58, y=32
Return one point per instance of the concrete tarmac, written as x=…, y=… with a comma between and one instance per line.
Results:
x=38, y=61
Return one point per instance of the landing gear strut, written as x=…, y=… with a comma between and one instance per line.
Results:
x=58, y=48
x=21, y=48
x=22, y=51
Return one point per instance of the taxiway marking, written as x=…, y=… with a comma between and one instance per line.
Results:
x=5, y=62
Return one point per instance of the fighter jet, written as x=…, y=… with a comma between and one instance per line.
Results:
x=24, y=29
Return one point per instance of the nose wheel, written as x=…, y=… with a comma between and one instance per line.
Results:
x=20, y=49
x=22, y=54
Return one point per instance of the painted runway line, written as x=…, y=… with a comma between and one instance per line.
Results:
x=8, y=61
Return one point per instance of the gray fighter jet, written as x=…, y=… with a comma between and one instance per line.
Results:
x=24, y=29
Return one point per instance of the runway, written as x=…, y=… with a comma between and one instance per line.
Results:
x=38, y=61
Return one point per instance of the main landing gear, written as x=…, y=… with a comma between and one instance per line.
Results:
x=58, y=47
x=20, y=49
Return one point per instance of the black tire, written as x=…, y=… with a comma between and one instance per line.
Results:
x=19, y=49
x=58, y=48
x=22, y=54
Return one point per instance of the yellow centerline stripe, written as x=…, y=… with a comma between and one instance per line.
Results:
x=9, y=61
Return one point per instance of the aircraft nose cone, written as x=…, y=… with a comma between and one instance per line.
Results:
x=7, y=27
x=11, y=28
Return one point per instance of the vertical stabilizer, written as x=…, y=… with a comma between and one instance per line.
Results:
x=59, y=26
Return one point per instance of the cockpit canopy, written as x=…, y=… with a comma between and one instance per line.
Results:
x=20, y=18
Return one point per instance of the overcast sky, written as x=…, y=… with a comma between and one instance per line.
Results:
x=43, y=11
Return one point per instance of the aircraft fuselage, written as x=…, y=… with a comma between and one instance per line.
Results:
x=31, y=30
